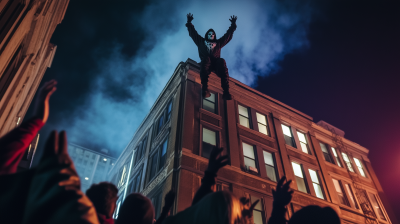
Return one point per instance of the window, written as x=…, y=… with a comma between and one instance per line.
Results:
x=223, y=187
x=169, y=110
x=163, y=154
x=340, y=193
x=262, y=123
x=298, y=172
x=327, y=156
x=315, y=183
x=287, y=133
x=138, y=153
x=160, y=123
x=347, y=161
x=376, y=206
x=244, y=116
x=336, y=157
x=351, y=195
x=209, y=142
x=303, y=142
x=269, y=165
x=258, y=211
x=134, y=186
x=360, y=167
x=209, y=103
x=249, y=158
x=157, y=160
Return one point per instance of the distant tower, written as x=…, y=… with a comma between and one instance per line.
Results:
x=26, y=27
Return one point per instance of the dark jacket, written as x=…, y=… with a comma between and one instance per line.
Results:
x=200, y=41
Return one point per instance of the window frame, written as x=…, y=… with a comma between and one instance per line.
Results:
x=317, y=173
x=292, y=137
x=379, y=202
x=157, y=153
x=338, y=161
x=157, y=129
x=216, y=109
x=266, y=121
x=139, y=173
x=307, y=143
x=217, y=133
x=274, y=167
x=248, y=114
x=347, y=163
x=342, y=188
x=256, y=160
x=362, y=167
x=328, y=153
x=304, y=177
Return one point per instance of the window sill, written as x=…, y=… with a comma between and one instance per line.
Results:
x=302, y=153
x=267, y=137
x=216, y=116
x=351, y=209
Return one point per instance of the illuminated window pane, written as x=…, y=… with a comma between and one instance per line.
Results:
x=261, y=119
x=304, y=147
x=317, y=187
x=248, y=151
x=286, y=130
x=209, y=136
x=360, y=167
x=327, y=156
x=249, y=162
x=375, y=204
x=209, y=103
x=338, y=188
x=298, y=172
x=302, y=137
x=269, y=165
x=336, y=157
x=243, y=111
x=258, y=210
x=244, y=116
x=350, y=193
x=347, y=161
x=244, y=121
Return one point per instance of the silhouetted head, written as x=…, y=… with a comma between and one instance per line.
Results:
x=104, y=196
x=136, y=209
x=315, y=215
x=210, y=35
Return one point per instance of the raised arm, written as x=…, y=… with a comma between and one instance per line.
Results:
x=215, y=163
x=14, y=144
x=229, y=33
x=192, y=31
x=282, y=197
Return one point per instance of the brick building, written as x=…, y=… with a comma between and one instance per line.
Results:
x=265, y=140
x=92, y=166
x=26, y=27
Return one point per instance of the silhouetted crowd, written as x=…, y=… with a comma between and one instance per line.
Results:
x=51, y=193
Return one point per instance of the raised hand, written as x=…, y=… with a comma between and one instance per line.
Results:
x=42, y=101
x=282, y=194
x=217, y=161
x=189, y=17
x=233, y=19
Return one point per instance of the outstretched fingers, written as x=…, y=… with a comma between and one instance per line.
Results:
x=280, y=182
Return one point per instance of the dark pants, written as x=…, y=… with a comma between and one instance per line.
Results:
x=218, y=65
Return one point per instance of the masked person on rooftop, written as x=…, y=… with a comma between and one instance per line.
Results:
x=210, y=55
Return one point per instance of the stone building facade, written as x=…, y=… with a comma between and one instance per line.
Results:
x=26, y=27
x=265, y=139
x=92, y=166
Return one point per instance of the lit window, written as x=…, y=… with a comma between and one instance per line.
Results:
x=287, y=134
x=375, y=204
x=209, y=103
x=209, y=142
x=347, y=161
x=262, y=123
x=303, y=142
x=339, y=191
x=269, y=165
x=163, y=154
x=249, y=157
x=258, y=211
x=336, y=157
x=316, y=185
x=169, y=110
x=298, y=172
x=360, y=167
x=327, y=156
x=244, y=116
x=351, y=195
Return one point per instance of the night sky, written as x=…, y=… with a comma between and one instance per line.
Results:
x=337, y=61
